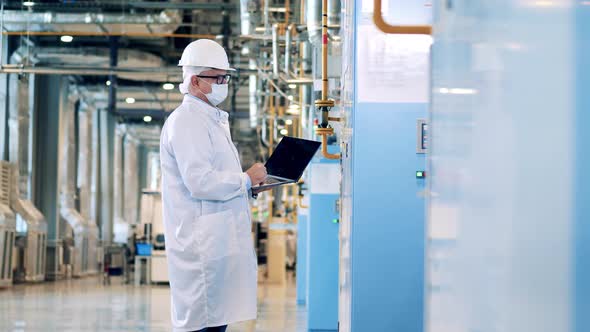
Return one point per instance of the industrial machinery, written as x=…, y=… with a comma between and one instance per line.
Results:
x=385, y=94
x=7, y=226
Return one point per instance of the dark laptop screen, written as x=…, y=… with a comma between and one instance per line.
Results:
x=291, y=157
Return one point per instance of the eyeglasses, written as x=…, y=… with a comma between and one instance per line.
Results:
x=220, y=79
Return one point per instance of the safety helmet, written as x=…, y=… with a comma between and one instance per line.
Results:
x=205, y=53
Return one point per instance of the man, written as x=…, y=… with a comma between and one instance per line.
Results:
x=211, y=258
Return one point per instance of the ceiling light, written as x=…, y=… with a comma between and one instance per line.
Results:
x=108, y=83
x=147, y=118
x=168, y=86
x=458, y=91
x=284, y=132
x=130, y=100
x=289, y=122
x=28, y=3
x=290, y=97
x=293, y=109
x=292, y=86
x=67, y=39
x=543, y=3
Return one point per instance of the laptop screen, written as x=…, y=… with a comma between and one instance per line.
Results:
x=291, y=157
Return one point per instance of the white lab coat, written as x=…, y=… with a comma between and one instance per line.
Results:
x=211, y=259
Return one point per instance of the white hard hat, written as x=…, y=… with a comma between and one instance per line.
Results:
x=205, y=53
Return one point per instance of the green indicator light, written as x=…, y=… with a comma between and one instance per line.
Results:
x=420, y=174
x=335, y=221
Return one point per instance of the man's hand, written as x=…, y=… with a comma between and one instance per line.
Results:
x=257, y=174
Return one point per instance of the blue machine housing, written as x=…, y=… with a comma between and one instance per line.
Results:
x=383, y=213
x=322, y=248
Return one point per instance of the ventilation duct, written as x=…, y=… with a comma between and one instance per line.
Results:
x=7, y=225
x=32, y=263
x=126, y=176
x=85, y=183
x=131, y=179
x=145, y=98
x=68, y=211
x=113, y=23
x=120, y=227
x=98, y=57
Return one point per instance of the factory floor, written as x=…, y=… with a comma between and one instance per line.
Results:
x=86, y=305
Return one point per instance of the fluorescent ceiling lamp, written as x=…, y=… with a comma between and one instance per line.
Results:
x=292, y=86
x=28, y=3
x=147, y=118
x=290, y=97
x=130, y=100
x=289, y=122
x=168, y=86
x=284, y=132
x=108, y=83
x=67, y=39
x=293, y=109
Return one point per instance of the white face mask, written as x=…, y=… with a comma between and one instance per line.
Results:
x=218, y=93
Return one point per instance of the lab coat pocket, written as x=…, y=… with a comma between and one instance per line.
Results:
x=216, y=235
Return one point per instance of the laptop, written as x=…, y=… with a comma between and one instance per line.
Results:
x=289, y=160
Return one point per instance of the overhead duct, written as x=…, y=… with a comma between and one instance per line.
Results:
x=98, y=57
x=31, y=265
x=165, y=22
x=145, y=98
x=77, y=222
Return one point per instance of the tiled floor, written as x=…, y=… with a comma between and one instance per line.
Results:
x=86, y=305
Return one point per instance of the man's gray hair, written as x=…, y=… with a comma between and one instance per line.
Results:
x=187, y=73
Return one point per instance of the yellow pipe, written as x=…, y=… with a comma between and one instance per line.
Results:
x=325, y=102
x=325, y=132
x=325, y=50
x=287, y=10
x=397, y=29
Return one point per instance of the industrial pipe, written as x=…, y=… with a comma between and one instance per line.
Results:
x=325, y=104
x=110, y=34
x=113, y=61
x=288, y=41
x=68, y=211
x=397, y=29
x=275, y=51
x=325, y=132
x=87, y=71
